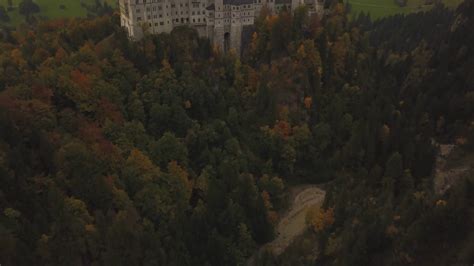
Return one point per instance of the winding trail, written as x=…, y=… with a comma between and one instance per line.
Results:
x=293, y=223
x=444, y=176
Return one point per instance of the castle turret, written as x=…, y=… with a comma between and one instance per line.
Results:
x=219, y=21
x=129, y=18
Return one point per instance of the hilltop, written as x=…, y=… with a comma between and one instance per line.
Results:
x=384, y=8
x=54, y=9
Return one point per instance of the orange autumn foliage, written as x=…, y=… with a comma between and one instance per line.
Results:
x=92, y=70
x=319, y=219
x=266, y=200
x=187, y=104
x=270, y=20
x=110, y=111
x=90, y=132
x=81, y=79
x=282, y=128
x=308, y=102
x=17, y=58
x=177, y=171
x=391, y=230
x=272, y=217
x=140, y=160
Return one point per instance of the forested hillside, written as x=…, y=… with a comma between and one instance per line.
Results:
x=166, y=151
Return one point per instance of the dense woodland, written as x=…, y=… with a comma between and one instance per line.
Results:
x=167, y=151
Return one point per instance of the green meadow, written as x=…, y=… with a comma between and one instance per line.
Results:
x=383, y=8
x=74, y=8
x=51, y=9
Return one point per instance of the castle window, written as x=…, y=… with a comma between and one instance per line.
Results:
x=162, y=23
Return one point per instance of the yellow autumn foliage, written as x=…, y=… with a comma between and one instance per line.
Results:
x=308, y=102
x=319, y=219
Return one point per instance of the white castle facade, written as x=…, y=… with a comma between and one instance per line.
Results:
x=222, y=21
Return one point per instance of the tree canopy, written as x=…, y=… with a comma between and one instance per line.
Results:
x=166, y=151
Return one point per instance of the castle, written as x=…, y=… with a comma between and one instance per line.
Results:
x=222, y=21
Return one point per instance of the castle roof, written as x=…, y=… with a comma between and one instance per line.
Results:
x=211, y=7
x=238, y=2
x=280, y=2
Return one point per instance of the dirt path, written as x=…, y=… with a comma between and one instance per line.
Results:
x=446, y=176
x=293, y=223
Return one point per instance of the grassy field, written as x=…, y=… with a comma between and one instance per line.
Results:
x=383, y=8
x=376, y=8
x=50, y=9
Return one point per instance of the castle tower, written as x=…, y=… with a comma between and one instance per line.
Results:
x=128, y=18
x=219, y=22
x=234, y=38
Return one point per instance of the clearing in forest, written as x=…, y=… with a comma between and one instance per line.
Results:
x=384, y=8
x=52, y=9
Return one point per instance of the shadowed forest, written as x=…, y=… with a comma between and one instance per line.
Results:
x=166, y=151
